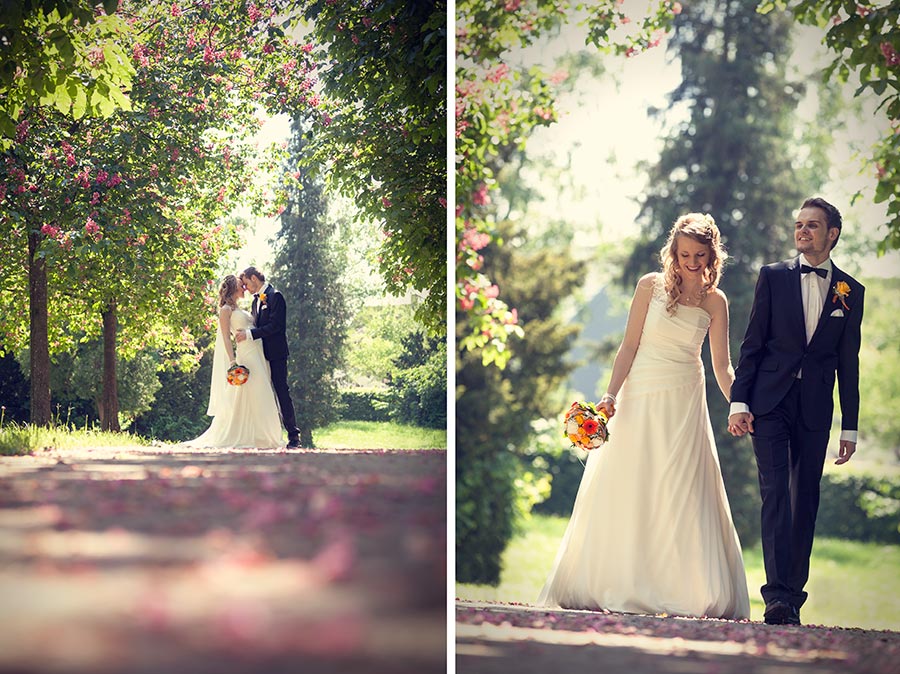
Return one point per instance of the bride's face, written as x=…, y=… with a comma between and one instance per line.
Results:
x=692, y=256
x=238, y=292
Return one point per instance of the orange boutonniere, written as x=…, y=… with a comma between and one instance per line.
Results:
x=262, y=298
x=841, y=290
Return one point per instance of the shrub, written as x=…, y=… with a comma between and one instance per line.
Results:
x=365, y=404
x=860, y=508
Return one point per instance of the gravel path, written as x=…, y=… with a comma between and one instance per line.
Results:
x=524, y=639
x=164, y=559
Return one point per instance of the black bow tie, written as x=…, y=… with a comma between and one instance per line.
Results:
x=805, y=269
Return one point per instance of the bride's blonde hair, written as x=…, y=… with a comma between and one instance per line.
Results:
x=701, y=228
x=226, y=290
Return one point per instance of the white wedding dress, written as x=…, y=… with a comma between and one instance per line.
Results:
x=243, y=416
x=651, y=530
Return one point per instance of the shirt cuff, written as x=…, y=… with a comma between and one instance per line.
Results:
x=738, y=408
x=248, y=333
x=849, y=436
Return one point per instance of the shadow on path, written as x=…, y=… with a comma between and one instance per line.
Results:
x=164, y=559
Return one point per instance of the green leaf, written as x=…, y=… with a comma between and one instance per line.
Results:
x=110, y=6
x=79, y=105
x=63, y=101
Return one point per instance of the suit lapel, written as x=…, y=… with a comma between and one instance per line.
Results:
x=828, y=306
x=796, y=298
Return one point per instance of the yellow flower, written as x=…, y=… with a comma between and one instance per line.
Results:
x=841, y=291
x=262, y=298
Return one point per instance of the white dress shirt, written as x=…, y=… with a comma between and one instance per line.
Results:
x=814, y=290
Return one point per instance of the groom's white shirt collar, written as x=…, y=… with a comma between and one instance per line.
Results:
x=825, y=265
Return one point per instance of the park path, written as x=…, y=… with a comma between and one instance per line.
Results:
x=165, y=559
x=528, y=640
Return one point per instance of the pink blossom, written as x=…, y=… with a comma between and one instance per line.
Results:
x=254, y=13
x=512, y=5
x=386, y=202
x=676, y=8
x=21, y=130
x=307, y=48
x=863, y=11
x=50, y=231
x=91, y=227
x=492, y=292
x=498, y=73
x=474, y=240
x=175, y=11
x=102, y=176
x=221, y=196
x=512, y=318
x=95, y=198
x=480, y=197
x=70, y=161
x=96, y=56
x=139, y=52
x=891, y=57
x=269, y=48
x=466, y=304
x=114, y=180
x=210, y=55
x=442, y=202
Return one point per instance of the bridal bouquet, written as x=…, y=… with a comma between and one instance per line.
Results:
x=585, y=425
x=238, y=374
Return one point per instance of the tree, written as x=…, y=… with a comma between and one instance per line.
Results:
x=420, y=381
x=109, y=217
x=498, y=104
x=865, y=38
x=384, y=144
x=308, y=273
x=733, y=157
x=494, y=407
x=64, y=54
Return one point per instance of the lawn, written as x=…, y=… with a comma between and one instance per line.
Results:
x=23, y=439
x=851, y=584
x=379, y=435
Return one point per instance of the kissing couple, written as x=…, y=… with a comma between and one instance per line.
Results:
x=651, y=530
x=251, y=414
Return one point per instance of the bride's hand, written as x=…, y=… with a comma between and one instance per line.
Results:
x=608, y=405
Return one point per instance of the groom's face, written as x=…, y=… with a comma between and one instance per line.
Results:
x=812, y=235
x=253, y=284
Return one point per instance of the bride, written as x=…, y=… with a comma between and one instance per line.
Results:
x=247, y=415
x=651, y=530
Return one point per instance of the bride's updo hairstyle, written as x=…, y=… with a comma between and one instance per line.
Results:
x=226, y=290
x=701, y=228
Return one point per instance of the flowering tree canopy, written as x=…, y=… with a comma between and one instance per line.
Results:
x=69, y=55
x=125, y=216
x=865, y=37
x=498, y=105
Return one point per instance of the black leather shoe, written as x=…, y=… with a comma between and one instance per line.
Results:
x=293, y=444
x=781, y=613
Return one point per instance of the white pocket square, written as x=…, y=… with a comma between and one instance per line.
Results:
x=837, y=312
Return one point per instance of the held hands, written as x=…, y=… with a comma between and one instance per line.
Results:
x=846, y=450
x=608, y=405
x=740, y=423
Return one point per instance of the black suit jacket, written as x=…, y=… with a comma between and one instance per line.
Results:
x=775, y=349
x=271, y=324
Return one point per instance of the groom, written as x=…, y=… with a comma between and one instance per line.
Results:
x=270, y=316
x=804, y=328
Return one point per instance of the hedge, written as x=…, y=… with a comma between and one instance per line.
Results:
x=366, y=404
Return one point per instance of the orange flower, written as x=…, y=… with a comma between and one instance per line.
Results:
x=262, y=298
x=841, y=291
x=590, y=426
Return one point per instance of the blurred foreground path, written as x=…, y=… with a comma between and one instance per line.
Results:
x=166, y=559
x=524, y=639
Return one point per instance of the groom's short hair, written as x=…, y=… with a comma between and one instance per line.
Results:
x=253, y=271
x=832, y=214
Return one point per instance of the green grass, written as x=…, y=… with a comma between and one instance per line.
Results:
x=18, y=439
x=379, y=435
x=851, y=584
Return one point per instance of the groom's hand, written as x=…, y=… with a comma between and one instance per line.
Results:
x=740, y=423
x=845, y=451
x=240, y=335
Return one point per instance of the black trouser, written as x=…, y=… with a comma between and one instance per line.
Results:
x=789, y=458
x=280, y=384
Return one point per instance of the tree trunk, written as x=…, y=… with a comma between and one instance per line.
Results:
x=39, y=342
x=306, y=437
x=109, y=402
